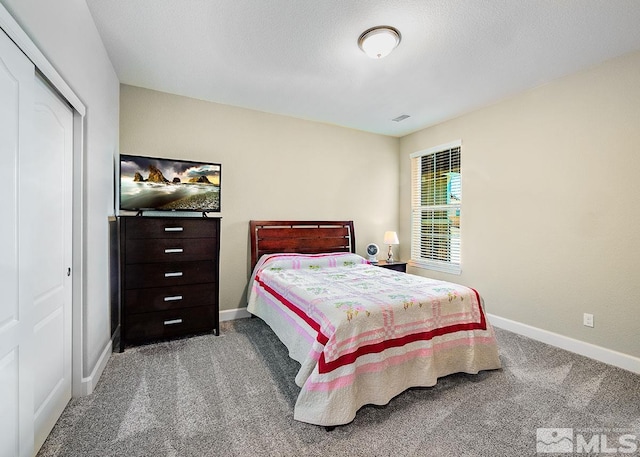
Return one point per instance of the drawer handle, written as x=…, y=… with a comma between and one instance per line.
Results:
x=173, y=298
x=174, y=251
x=174, y=274
x=173, y=229
x=173, y=322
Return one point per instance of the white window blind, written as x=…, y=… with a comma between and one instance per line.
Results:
x=436, y=203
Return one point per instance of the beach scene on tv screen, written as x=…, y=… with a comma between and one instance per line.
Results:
x=164, y=184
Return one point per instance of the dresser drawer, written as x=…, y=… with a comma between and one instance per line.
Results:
x=165, y=324
x=141, y=275
x=148, y=227
x=170, y=298
x=169, y=250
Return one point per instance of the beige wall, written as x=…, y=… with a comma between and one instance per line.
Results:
x=273, y=167
x=551, y=215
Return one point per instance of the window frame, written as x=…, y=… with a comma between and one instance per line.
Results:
x=417, y=209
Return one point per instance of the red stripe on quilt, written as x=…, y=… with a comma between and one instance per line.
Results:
x=321, y=338
x=327, y=367
x=483, y=322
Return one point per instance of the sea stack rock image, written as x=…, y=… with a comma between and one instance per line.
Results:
x=156, y=175
x=201, y=179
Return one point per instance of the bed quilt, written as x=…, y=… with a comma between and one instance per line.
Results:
x=363, y=334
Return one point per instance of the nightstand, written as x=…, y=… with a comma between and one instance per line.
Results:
x=397, y=265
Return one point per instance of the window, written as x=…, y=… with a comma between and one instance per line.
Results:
x=436, y=200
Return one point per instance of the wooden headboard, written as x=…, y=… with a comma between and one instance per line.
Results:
x=304, y=237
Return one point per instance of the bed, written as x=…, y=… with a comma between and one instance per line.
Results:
x=362, y=334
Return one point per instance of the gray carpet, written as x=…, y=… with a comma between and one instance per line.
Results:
x=234, y=395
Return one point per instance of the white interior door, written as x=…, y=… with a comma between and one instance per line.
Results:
x=16, y=388
x=36, y=153
x=46, y=215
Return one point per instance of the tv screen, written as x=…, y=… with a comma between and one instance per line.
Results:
x=155, y=184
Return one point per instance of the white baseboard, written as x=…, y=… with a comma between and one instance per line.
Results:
x=608, y=356
x=231, y=314
x=89, y=383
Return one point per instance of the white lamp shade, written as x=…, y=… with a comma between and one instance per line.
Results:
x=391, y=238
x=378, y=42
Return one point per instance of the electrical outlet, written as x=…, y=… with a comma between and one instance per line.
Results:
x=587, y=320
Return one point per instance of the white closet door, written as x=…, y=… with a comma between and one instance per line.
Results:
x=16, y=355
x=46, y=215
x=35, y=253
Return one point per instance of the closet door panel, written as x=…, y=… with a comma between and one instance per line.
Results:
x=50, y=200
x=16, y=348
x=9, y=147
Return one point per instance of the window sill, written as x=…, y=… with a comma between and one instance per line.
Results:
x=436, y=266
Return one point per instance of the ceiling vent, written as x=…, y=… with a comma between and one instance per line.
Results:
x=400, y=118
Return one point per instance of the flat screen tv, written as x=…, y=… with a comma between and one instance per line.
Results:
x=155, y=184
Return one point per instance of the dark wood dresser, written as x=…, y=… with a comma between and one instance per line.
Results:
x=168, y=277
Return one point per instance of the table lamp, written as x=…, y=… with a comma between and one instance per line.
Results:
x=390, y=238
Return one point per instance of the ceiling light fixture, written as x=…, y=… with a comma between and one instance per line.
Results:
x=378, y=42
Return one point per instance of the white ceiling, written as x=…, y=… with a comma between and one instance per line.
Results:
x=301, y=58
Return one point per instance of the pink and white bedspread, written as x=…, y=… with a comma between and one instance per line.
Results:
x=363, y=334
